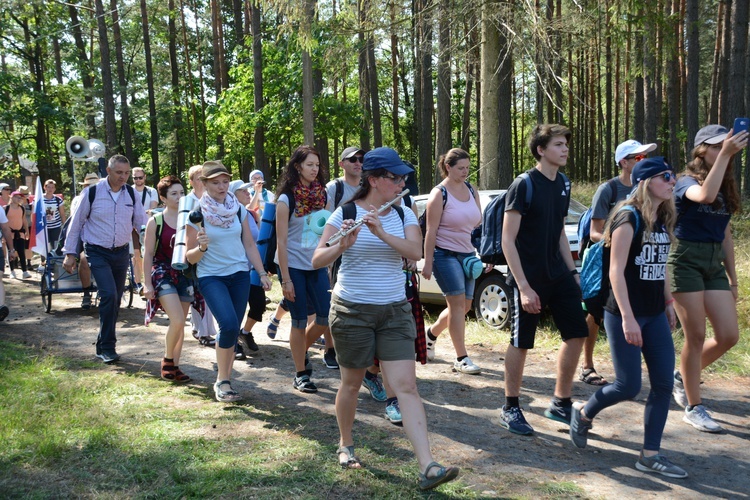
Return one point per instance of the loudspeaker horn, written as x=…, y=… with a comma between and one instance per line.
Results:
x=77, y=147
x=96, y=148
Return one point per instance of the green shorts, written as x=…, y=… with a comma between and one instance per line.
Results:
x=696, y=266
x=362, y=332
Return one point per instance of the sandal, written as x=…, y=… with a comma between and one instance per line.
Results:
x=228, y=396
x=207, y=341
x=589, y=376
x=350, y=461
x=168, y=370
x=180, y=376
x=443, y=476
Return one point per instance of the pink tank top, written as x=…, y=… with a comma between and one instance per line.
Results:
x=459, y=218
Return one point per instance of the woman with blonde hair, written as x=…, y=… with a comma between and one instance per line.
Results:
x=701, y=264
x=639, y=312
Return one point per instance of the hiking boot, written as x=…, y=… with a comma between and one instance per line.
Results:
x=430, y=345
x=558, y=413
x=239, y=353
x=393, y=413
x=304, y=384
x=466, y=366
x=678, y=391
x=661, y=465
x=247, y=340
x=375, y=386
x=579, y=427
x=86, y=302
x=699, y=418
x=512, y=419
x=329, y=358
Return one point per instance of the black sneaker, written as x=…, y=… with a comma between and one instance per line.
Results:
x=4, y=312
x=304, y=384
x=559, y=413
x=239, y=353
x=329, y=358
x=108, y=356
x=512, y=419
x=86, y=302
x=247, y=340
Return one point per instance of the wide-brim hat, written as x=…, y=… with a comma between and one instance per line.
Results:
x=91, y=178
x=387, y=159
x=24, y=190
x=213, y=168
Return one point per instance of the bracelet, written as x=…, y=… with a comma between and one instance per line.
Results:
x=668, y=302
x=263, y=274
x=733, y=286
x=285, y=282
x=199, y=248
x=574, y=272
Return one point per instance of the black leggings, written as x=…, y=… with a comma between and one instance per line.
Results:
x=19, y=243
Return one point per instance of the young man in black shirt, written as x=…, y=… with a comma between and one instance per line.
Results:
x=542, y=273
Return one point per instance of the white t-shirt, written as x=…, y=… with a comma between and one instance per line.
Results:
x=371, y=271
x=147, y=196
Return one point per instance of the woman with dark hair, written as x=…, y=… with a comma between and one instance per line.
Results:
x=453, y=210
x=370, y=316
x=167, y=288
x=300, y=199
x=701, y=264
x=222, y=248
x=639, y=312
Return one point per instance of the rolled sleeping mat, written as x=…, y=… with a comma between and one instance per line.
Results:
x=179, y=258
x=317, y=221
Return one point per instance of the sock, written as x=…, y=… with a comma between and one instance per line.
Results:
x=275, y=321
x=390, y=401
x=430, y=336
x=169, y=360
x=461, y=358
x=300, y=374
x=561, y=402
x=243, y=332
x=370, y=376
x=331, y=351
x=512, y=402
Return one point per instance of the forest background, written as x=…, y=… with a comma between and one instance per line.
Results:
x=171, y=83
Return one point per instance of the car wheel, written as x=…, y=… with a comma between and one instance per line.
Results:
x=493, y=300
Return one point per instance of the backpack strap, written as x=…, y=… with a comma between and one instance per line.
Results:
x=339, y=192
x=143, y=196
x=92, y=197
x=530, y=189
x=159, y=220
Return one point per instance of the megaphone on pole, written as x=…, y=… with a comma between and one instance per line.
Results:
x=77, y=147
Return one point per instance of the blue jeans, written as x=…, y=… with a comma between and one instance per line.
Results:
x=658, y=352
x=447, y=266
x=109, y=269
x=226, y=296
x=310, y=286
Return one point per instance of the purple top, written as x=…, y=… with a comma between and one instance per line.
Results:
x=108, y=223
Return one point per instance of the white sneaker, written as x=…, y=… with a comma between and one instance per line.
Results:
x=13, y=274
x=679, y=390
x=26, y=275
x=430, y=345
x=699, y=418
x=466, y=366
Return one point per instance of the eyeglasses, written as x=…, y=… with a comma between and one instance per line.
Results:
x=138, y=178
x=397, y=179
x=355, y=159
x=635, y=157
x=667, y=176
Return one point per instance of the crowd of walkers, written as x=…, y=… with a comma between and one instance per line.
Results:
x=346, y=251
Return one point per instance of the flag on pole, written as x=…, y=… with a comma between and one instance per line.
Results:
x=39, y=222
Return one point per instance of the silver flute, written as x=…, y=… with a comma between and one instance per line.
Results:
x=341, y=233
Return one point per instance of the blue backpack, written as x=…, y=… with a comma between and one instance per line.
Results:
x=584, y=223
x=595, y=270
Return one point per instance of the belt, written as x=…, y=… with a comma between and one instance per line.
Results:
x=111, y=249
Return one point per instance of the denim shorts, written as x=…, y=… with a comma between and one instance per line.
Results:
x=184, y=287
x=449, y=273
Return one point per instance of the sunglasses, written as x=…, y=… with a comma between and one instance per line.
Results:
x=667, y=176
x=397, y=179
x=138, y=178
x=635, y=157
x=355, y=159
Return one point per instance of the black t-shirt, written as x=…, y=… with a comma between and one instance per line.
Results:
x=645, y=269
x=538, y=240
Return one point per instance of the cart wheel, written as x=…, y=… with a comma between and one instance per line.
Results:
x=46, y=294
x=127, y=295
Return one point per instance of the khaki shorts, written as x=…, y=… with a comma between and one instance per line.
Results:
x=362, y=332
x=696, y=266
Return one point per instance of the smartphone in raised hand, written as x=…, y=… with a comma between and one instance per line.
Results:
x=740, y=125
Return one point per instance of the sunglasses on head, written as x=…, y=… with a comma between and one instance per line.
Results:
x=355, y=159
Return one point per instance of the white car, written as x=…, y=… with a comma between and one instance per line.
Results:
x=492, y=296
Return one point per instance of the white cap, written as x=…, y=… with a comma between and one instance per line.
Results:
x=632, y=147
x=236, y=185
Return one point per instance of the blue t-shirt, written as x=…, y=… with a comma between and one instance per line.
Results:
x=698, y=222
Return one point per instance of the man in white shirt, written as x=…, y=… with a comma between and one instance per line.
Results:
x=149, y=199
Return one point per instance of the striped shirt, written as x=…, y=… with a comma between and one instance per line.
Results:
x=52, y=210
x=109, y=222
x=371, y=270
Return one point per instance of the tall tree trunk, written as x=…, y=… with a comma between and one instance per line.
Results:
x=650, y=106
x=85, y=70
x=737, y=77
x=673, y=85
x=372, y=76
x=713, y=110
x=177, y=124
x=308, y=118
x=364, y=82
x=443, y=114
x=505, y=100
x=724, y=65
x=193, y=153
x=150, y=86
x=122, y=81
x=110, y=125
x=692, y=98
x=608, y=97
x=394, y=77
x=260, y=133
x=426, y=149
x=489, y=117
x=639, y=118
x=201, y=81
